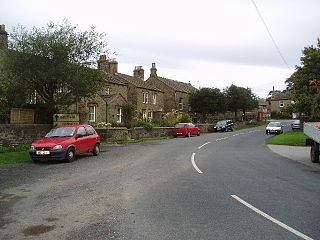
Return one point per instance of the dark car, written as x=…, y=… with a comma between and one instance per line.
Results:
x=185, y=129
x=223, y=126
x=296, y=125
x=65, y=142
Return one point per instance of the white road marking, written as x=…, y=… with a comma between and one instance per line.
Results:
x=299, y=234
x=220, y=139
x=194, y=163
x=235, y=135
x=203, y=145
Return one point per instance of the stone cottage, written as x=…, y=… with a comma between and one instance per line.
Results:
x=176, y=94
x=279, y=100
x=147, y=98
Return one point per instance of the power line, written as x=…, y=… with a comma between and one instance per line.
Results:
x=270, y=35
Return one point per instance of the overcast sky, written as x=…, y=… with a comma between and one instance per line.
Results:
x=210, y=43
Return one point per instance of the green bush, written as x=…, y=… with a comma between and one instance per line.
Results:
x=103, y=125
x=183, y=118
x=19, y=148
x=162, y=122
x=142, y=123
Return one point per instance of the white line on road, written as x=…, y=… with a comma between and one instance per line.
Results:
x=194, y=163
x=299, y=234
x=235, y=135
x=203, y=145
x=220, y=139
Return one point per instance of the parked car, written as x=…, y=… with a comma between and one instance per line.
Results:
x=274, y=127
x=65, y=142
x=223, y=126
x=296, y=124
x=185, y=129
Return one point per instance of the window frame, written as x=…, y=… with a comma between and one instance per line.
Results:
x=119, y=115
x=94, y=113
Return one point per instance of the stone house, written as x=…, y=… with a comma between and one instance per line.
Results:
x=279, y=100
x=176, y=94
x=147, y=99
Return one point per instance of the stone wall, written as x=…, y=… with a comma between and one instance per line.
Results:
x=113, y=134
x=16, y=134
x=140, y=132
x=205, y=128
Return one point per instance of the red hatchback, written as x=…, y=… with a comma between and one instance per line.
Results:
x=185, y=129
x=64, y=142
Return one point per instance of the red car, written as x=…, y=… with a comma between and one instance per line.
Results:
x=64, y=142
x=185, y=129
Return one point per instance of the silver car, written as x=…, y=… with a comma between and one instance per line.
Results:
x=274, y=127
x=296, y=124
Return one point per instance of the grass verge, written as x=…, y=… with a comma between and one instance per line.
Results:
x=19, y=148
x=14, y=157
x=256, y=124
x=141, y=140
x=293, y=138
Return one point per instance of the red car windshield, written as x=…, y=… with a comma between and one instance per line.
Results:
x=61, y=132
x=181, y=126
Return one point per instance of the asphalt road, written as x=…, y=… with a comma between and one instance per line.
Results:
x=215, y=186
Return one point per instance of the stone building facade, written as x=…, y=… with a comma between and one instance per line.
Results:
x=147, y=99
x=176, y=94
x=278, y=101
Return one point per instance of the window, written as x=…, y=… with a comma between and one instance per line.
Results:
x=92, y=113
x=107, y=90
x=150, y=115
x=90, y=130
x=181, y=104
x=144, y=115
x=145, y=97
x=81, y=131
x=154, y=97
x=281, y=104
x=119, y=115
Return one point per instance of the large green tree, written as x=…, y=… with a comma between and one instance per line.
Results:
x=53, y=65
x=239, y=98
x=304, y=83
x=207, y=101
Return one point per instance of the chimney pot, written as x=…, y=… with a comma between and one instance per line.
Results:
x=138, y=72
x=153, y=70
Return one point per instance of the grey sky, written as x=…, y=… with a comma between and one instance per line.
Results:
x=211, y=43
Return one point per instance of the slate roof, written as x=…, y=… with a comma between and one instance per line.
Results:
x=137, y=82
x=284, y=95
x=114, y=79
x=176, y=85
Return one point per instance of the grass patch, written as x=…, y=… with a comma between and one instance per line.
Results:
x=141, y=139
x=19, y=148
x=293, y=138
x=256, y=124
x=14, y=157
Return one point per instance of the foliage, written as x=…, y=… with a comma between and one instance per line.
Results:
x=239, y=98
x=129, y=111
x=293, y=138
x=103, y=125
x=142, y=123
x=207, y=101
x=183, y=118
x=159, y=122
x=19, y=148
x=13, y=158
x=53, y=64
x=251, y=125
x=304, y=83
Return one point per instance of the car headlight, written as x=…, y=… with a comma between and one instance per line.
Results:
x=32, y=148
x=57, y=147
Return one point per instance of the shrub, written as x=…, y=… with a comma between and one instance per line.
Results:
x=103, y=125
x=163, y=122
x=183, y=117
x=141, y=123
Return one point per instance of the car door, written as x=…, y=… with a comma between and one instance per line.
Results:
x=91, y=138
x=81, y=140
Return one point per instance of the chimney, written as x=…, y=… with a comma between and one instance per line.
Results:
x=153, y=70
x=138, y=72
x=113, y=66
x=103, y=64
x=3, y=37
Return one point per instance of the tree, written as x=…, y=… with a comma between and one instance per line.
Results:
x=129, y=111
x=240, y=98
x=207, y=101
x=55, y=63
x=304, y=83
